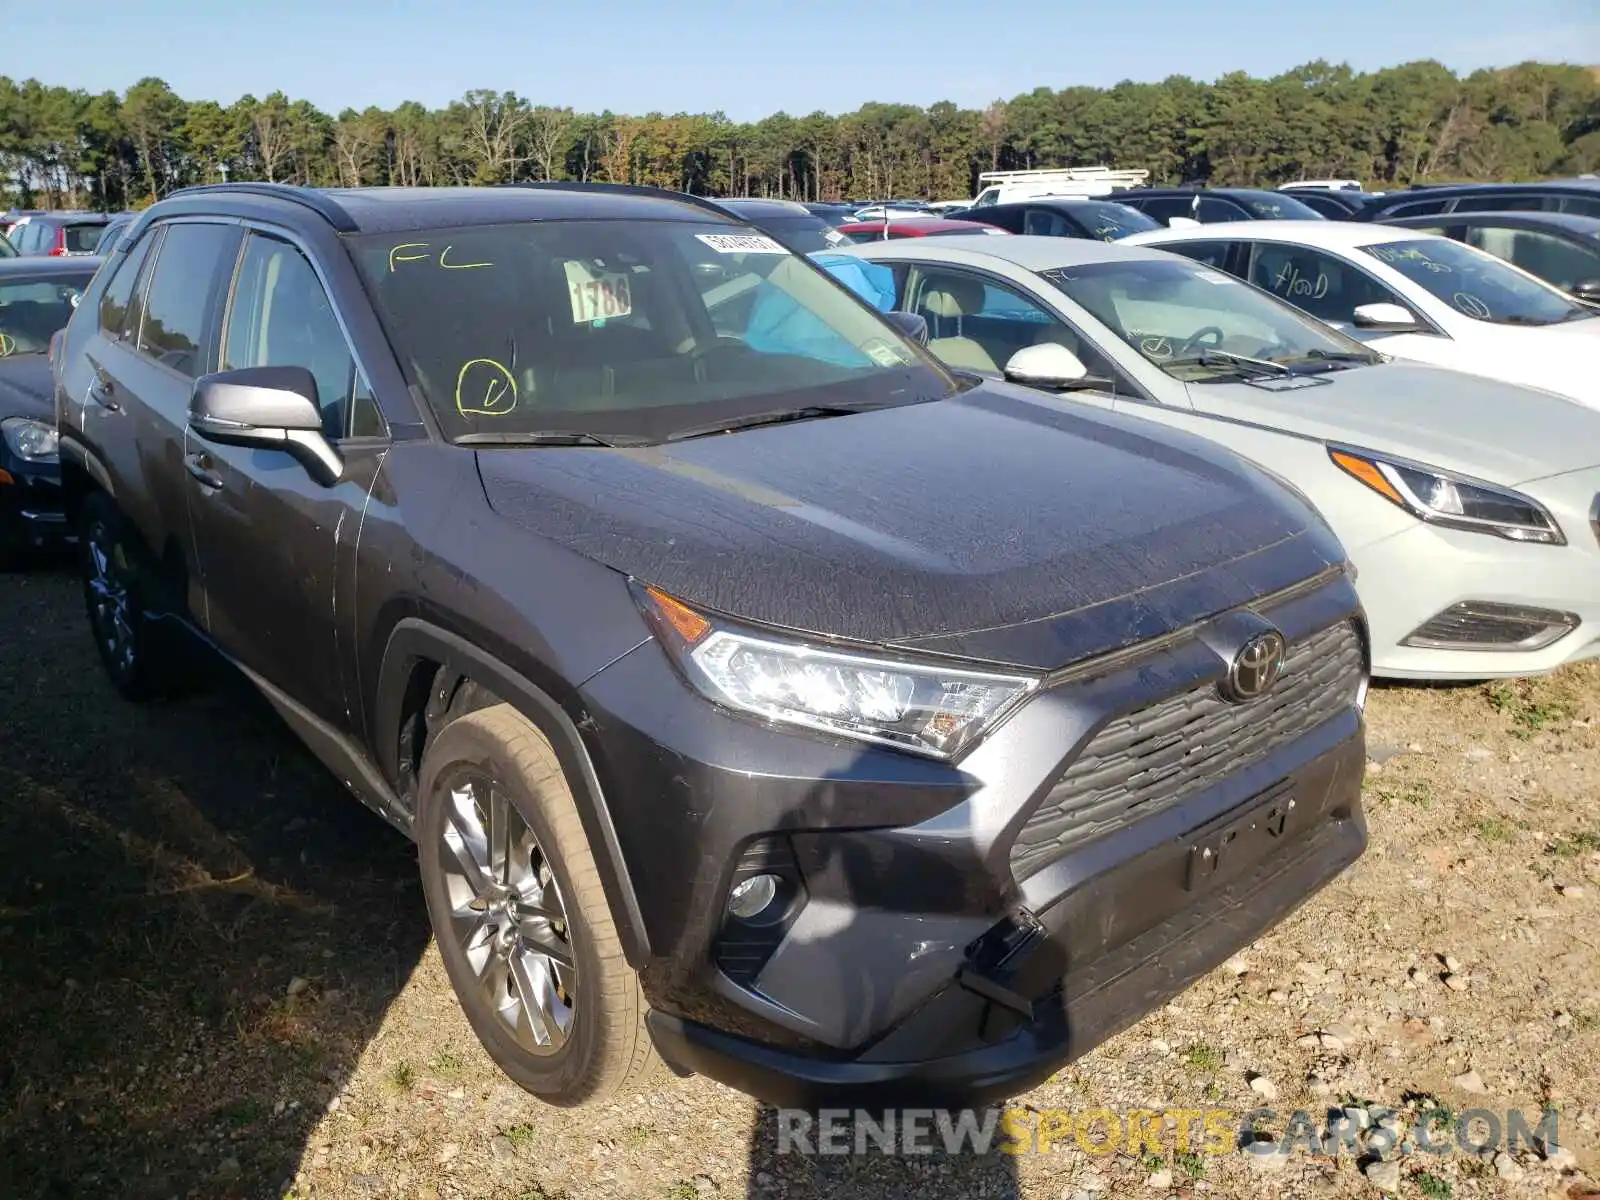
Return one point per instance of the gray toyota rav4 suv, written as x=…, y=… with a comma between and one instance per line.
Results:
x=761, y=694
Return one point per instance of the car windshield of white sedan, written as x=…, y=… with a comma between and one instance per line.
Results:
x=1477, y=284
x=1196, y=323
x=32, y=309
x=626, y=332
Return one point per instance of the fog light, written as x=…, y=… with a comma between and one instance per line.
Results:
x=1482, y=625
x=750, y=897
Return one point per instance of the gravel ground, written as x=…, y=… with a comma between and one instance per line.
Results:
x=217, y=981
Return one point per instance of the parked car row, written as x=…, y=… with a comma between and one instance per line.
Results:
x=844, y=692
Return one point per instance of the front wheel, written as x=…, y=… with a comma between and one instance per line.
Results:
x=520, y=915
x=116, y=581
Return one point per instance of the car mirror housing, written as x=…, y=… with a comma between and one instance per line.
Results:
x=1048, y=365
x=912, y=325
x=1587, y=290
x=1389, y=318
x=270, y=408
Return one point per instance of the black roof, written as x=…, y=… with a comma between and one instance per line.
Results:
x=764, y=210
x=41, y=266
x=67, y=217
x=395, y=209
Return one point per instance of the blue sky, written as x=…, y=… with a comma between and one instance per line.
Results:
x=692, y=55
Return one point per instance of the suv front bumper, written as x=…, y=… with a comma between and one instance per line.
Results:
x=951, y=941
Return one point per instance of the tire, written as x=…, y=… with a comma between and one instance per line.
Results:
x=117, y=583
x=487, y=758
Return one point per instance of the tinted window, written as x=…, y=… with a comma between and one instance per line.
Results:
x=1164, y=208
x=1213, y=254
x=1327, y=287
x=280, y=316
x=1500, y=202
x=804, y=235
x=83, y=239
x=32, y=309
x=626, y=329
x=1581, y=205
x=1210, y=210
x=1326, y=205
x=1417, y=208
x=24, y=236
x=119, y=309
x=1552, y=259
x=1278, y=206
x=1044, y=222
x=176, y=303
x=1476, y=284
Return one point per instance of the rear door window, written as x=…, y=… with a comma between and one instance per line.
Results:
x=180, y=298
x=1215, y=253
x=119, y=308
x=1504, y=203
x=1164, y=208
x=1213, y=209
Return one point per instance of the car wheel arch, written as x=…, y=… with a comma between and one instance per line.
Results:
x=420, y=656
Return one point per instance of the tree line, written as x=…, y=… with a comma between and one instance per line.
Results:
x=1418, y=122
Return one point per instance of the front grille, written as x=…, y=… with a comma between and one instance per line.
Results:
x=1150, y=759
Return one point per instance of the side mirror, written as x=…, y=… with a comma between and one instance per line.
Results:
x=1587, y=290
x=1385, y=317
x=270, y=408
x=1049, y=366
x=913, y=325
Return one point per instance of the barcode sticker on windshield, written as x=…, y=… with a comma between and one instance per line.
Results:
x=741, y=243
x=1213, y=277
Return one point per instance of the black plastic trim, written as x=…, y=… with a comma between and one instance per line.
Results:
x=329, y=209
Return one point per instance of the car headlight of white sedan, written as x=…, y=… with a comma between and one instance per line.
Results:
x=1444, y=498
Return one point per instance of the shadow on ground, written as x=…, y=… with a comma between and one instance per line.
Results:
x=199, y=930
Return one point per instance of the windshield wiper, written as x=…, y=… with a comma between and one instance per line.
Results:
x=547, y=437
x=809, y=412
x=1226, y=358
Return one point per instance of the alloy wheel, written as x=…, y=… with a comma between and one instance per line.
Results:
x=507, y=915
x=110, y=605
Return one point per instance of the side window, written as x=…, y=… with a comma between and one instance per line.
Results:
x=1164, y=208
x=1045, y=223
x=1550, y=258
x=119, y=310
x=1581, y=206
x=1213, y=254
x=280, y=316
x=1417, y=208
x=1213, y=210
x=1328, y=288
x=178, y=300
x=1500, y=203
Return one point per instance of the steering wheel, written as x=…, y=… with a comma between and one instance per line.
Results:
x=1196, y=341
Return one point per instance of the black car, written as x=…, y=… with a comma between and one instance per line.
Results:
x=1209, y=205
x=1559, y=248
x=1579, y=197
x=1337, y=204
x=37, y=299
x=834, y=214
x=788, y=222
x=756, y=689
x=59, y=234
x=1080, y=217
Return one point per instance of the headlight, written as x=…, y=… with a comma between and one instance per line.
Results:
x=31, y=440
x=1442, y=498
x=923, y=708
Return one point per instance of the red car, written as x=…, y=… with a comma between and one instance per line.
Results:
x=904, y=227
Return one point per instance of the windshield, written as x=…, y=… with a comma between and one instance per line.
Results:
x=627, y=330
x=34, y=308
x=1278, y=208
x=1476, y=284
x=1187, y=318
x=1109, y=221
x=804, y=235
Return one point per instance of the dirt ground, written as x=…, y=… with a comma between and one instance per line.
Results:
x=217, y=982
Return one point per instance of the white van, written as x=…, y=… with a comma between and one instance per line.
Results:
x=1007, y=187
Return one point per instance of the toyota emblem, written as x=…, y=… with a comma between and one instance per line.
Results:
x=1256, y=667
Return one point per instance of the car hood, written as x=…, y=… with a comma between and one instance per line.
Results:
x=1468, y=423
x=26, y=387
x=999, y=525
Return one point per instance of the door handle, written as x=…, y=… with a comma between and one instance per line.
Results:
x=199, y=465
x=101, y=388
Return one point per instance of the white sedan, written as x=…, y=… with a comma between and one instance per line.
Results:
x=1470, y=507
x=1411, y=294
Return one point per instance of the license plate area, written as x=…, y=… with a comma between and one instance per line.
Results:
x=1237, y=841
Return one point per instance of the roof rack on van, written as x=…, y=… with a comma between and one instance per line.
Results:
x=1116, y=178
x=629, y=189
x=324, y=205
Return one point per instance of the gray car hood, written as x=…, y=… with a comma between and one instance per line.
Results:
x=1000, y=525
x=1467, y=423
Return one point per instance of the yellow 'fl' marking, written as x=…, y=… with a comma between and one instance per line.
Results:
x=396, y=257
x=8, y=345
x=485, y=388
x=450, y=266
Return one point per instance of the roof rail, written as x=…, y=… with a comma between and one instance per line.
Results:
x=629, y=189
x=318, y=202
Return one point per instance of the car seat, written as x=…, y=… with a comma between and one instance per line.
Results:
x=943, y=305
